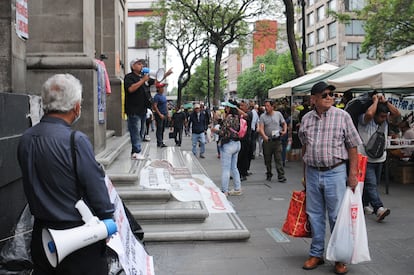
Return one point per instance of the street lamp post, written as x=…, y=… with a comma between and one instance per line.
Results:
x=302, y=3
x=208, y=72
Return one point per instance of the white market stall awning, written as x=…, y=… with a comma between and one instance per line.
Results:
x=286, y=88
x=391, y=74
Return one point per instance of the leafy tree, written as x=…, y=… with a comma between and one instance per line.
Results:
x=224, y=23
x=197, y=87
x=389, y=25
x=171, y=24
x=278, y=70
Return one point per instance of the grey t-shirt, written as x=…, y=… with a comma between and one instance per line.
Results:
x=272, y=123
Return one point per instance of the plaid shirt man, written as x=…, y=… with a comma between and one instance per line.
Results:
x=327, y=137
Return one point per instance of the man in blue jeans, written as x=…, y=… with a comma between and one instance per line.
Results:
x=198, y=123
x=377, y=114
x=136, y=99
x=329, y=140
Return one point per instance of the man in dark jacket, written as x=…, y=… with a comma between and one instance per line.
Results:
x=53, y=184
x=198, y=123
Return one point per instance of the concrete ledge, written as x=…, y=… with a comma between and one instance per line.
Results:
x=216, y=227
x=114, y=146
x=170, y=212
x=134, y=195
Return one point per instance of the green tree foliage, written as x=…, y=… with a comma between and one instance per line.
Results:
x=222, y=23
x=253, y=82
x=197, y=87
x=389, y=25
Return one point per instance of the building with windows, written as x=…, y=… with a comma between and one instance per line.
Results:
x=139, y=39
x=327, y=40
x=263, y=38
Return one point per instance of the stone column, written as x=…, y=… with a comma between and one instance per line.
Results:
x=113, y=47
x=62, y=40
x=14, y=107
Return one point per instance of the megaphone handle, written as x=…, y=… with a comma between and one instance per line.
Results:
x=84, y=210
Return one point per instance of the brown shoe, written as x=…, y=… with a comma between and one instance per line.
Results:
x=340, y=268
x=313, y=263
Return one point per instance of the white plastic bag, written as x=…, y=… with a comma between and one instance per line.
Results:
x=349, y=241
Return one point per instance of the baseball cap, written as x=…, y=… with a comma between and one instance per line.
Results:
x=160, y=85
x=320, y=87
x=135, y=60
x=196, y=106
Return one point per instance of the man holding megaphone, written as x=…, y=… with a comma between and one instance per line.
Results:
x=53, y=182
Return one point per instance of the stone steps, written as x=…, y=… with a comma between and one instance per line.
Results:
x=162, y=217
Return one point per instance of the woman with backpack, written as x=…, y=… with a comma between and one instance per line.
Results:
x=229, y=148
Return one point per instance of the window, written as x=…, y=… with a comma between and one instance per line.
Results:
x=321, y=13
x=355, y=27
x=332, y=30
x=311, y=39
x=332, y=53
x=311, y=19
x=321, y=35
x=332, y=5
x=352, y=5
x=141, y=36
x=312, y=58
x=320, y=57
x=352, y=51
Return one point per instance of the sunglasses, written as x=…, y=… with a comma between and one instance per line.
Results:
x=325, y=95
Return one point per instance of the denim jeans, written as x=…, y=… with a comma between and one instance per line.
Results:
x=195, y=139
x=372, y=178
x=228, y=155
x=324, y=193
x=136, y=128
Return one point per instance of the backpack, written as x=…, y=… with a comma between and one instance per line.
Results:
x=242, y=128
x=375, y=146
x=358, y=106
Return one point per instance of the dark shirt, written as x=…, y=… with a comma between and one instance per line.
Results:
x=178, y=119
x=136, y=103
x=49, y=182
x=198, y=124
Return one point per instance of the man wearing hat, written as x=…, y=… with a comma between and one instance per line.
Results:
x=136, y=88
x=198, y=123
x=329, y=141
x=160, y=113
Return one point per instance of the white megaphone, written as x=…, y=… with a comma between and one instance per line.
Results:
x=158, y=75
x=60, y=243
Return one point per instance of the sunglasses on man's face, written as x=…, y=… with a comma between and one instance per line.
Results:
x=325, y=95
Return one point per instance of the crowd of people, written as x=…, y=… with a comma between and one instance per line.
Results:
x=329, y=139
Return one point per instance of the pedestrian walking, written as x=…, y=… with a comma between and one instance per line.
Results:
x=272, y=126
x=178, y=120
x=329, y=141
x=198, y=123
x=375, y=117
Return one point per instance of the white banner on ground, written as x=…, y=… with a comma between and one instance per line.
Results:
x=185, y=186
x=131, y=254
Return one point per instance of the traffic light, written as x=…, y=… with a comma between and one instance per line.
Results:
x=262, y=67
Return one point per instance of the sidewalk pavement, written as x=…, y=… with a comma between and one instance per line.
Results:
x=262, y=208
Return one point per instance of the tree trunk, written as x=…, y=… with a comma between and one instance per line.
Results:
x=290, y=29
x=216, y=98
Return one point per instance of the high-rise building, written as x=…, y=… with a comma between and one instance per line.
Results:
x=327, y=39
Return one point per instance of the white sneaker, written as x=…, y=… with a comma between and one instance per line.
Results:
x=137, y=156
x=368, y=210
x=147, y=138
x=382, y=213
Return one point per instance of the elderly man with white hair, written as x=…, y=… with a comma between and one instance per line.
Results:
x=59, y=167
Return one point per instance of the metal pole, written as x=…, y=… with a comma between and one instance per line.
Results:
x=302, y=2
x=208, y=73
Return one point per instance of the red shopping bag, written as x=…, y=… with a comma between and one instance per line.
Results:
x=297, y=224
